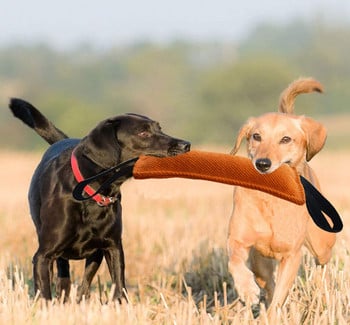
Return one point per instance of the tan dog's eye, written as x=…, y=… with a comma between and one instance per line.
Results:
x=285, y=139
x=257, y=137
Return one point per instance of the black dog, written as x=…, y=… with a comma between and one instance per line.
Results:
x=90, y=230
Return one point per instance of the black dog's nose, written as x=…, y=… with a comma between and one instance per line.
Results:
x=178, y=146
x=184, y=146
x=263, y=164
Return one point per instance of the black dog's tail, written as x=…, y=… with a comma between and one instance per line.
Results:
x=30, y=116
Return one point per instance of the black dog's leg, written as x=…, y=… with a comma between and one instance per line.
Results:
x=63, y=278
x=41, y=272
x=115, y=261
x=92, y=264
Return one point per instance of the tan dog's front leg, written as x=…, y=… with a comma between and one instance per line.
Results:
x=263, y=269
x=245, y=284
x=287, y=271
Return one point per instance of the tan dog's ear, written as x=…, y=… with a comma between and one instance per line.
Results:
x=316, y=135
x=244, y=132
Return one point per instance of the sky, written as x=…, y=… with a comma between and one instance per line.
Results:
x=105, y=23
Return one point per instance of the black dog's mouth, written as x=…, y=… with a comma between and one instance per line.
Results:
x=172, y=150
x=169, y=153
x=175, y=152
x=172, y=153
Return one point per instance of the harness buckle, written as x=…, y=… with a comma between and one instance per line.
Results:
x=106, y=200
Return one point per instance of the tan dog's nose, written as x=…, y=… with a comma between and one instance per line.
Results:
x=263, y=164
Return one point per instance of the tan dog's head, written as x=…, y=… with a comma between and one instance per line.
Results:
x=274, y=139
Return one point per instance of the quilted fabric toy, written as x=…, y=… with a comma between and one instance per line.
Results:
x=284, y=183
x=222, y=168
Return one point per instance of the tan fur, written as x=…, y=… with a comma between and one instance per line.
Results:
x=264, y=228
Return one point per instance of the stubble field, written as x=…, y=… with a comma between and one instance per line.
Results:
x=175, y=248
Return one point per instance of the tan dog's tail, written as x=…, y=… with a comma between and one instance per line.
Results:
x=299, y=86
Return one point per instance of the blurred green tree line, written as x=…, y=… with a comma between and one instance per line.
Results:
x=199, y=91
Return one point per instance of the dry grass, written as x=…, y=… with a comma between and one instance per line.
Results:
x=176, y=266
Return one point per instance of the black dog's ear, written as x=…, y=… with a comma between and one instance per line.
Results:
x=101, y=144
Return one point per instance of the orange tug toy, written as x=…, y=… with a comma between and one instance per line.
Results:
x=284, y=183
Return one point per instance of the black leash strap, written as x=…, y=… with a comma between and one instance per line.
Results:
x=123, y=169
x=317, y=204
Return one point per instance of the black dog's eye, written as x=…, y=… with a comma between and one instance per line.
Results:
x=257, y=137
x=144, y=134
x=285, y=140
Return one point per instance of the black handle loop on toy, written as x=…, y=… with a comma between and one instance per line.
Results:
x=122, y=170
x=318, y=205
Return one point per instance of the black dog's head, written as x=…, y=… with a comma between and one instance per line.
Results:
x=128, y=136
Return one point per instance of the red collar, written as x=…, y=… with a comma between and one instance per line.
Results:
x=100, y=199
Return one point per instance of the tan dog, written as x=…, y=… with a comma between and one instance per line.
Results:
x=264, y=228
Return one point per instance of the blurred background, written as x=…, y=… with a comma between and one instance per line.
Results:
x=199, y=67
